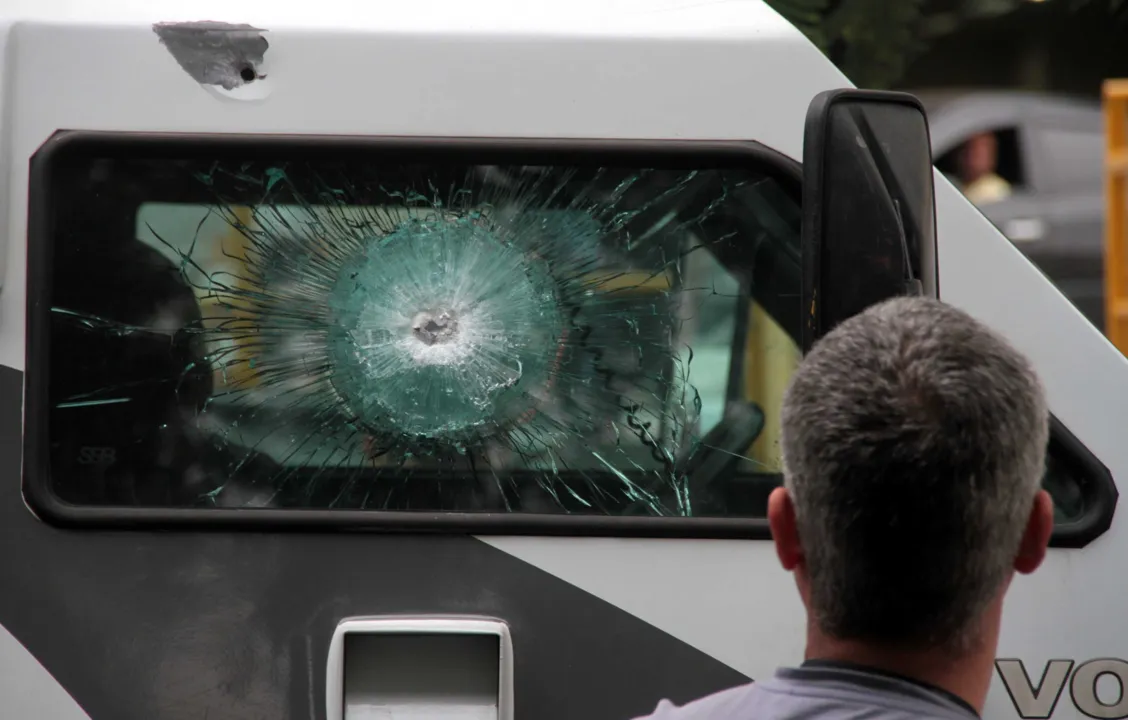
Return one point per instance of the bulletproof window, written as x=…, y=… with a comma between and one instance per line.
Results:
x=405, y=332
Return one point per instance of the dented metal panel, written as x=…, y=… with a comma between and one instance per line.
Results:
x=215, y=53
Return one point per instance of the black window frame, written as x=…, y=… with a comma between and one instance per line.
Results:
x=36, y=478
x=1100, y=494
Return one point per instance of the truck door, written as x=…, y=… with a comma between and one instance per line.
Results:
x=278, y=388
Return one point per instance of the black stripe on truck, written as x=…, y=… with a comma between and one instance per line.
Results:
x=224, y=625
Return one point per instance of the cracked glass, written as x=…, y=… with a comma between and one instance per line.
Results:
x=454, y=331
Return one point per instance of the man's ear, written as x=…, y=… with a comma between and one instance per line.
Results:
x=785, y=532
x=1036, y=539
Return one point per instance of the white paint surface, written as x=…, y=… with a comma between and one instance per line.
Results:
x=584, y=69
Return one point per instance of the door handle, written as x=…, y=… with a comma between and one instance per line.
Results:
x=1024, y=229
x=420, y=668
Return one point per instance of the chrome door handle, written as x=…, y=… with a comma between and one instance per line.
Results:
x=420, y=668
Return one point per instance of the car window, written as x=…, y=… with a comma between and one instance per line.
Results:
x=429, y=332
x=987, y=166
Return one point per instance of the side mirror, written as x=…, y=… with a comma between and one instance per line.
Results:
x=869, y=217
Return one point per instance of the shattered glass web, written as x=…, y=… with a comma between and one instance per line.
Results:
x=517, y=341
x=441, y=328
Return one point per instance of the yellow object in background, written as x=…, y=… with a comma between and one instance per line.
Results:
x=770, y=358
x=1116, y=214
x=228, y=252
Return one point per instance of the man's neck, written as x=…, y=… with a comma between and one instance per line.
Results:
x=967, y=677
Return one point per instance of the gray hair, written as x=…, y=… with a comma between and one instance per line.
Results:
x=913, y=444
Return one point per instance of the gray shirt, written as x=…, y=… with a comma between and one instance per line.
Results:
x=821, y=689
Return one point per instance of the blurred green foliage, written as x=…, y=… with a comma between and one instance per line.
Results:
x=874, y=41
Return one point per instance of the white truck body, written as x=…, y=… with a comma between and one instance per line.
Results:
x=660, y=70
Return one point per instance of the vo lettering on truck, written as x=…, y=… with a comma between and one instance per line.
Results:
x=1038, y=698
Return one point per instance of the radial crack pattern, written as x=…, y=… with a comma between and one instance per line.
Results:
x=444, y=328
x=470, y=338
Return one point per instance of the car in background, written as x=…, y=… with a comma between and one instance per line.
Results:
x=1049, y=155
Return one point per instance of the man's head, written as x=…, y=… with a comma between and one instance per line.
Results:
x=978, y=156
x=913, y=444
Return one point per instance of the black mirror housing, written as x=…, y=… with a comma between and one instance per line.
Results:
x=869, y=217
